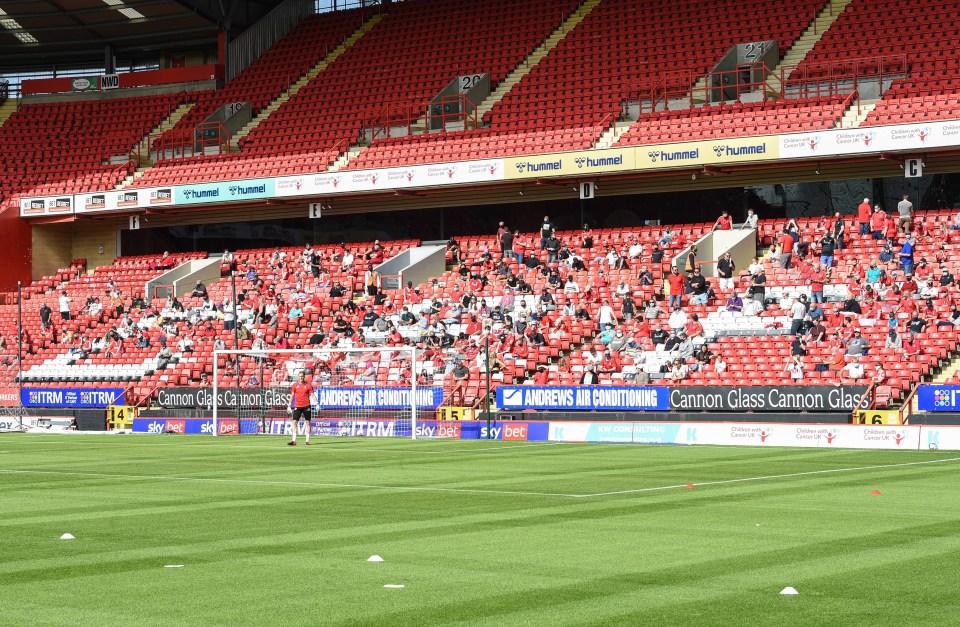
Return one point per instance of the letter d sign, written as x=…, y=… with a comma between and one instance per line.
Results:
x=913, y=168
x=586, y=191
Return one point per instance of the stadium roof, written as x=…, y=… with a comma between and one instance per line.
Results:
x=37, y=33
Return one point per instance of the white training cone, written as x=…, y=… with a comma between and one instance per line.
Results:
x=789, y=590
x=375, y=558
x=174, y=566
x=67, y=536
x=394, y=585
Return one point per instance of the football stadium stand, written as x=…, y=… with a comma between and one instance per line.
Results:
x=601, y=304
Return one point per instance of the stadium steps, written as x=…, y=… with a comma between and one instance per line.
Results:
x=143, y=147
x=855, y=115
x=613, y=134
x=797, y=52
x=306, y=78
x=808, y=39
x=352, y=152
x=527, y=65
x=7, y=109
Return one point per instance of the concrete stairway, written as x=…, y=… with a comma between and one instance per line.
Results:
x=854, y=116
x=800, y=48
x=346, y=157
x=7, y=109
x=610, y=136
x=306, y=78
x=808, y=39
x=143, y=146
x=536, y=56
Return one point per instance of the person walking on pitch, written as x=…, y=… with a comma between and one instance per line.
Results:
x=301, y=396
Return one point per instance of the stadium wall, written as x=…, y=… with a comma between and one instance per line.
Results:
x=15, y=239
x=55, y=245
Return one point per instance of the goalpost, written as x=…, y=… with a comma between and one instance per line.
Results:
x=359, y=391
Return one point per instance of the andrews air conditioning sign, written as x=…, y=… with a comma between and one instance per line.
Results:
x=583, y=398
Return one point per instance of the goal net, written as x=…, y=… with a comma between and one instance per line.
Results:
x=357, y=391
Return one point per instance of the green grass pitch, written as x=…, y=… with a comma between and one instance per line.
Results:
x=478, y=533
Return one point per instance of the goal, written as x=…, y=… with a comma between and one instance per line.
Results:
x=359, y=391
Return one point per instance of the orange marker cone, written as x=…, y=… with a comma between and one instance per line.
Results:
x=690, y=486
x=875, y=493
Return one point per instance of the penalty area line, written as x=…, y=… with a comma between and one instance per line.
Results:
x=766, y=478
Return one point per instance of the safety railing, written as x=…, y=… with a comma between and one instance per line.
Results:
x=827, y=78
x=403, y=119
x=191, y=142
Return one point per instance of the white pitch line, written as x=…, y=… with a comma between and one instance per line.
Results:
x=767, y=477
x=97, y=475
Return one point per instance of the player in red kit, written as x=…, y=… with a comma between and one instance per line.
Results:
x=301, y=395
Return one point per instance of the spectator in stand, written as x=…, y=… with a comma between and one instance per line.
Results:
x=45, y=313
x=586, y=237
x=552, y=246
x=893, y=339
x=679, y=370
x=636, y=249
x=519, y=249
x=946, y=278
x=795, y=368
x=666, y=238
x=916, y=324
x=758, y=287
x=693, y=329
x=817, y=278
x=873, y=274
x=677, y=320
x=545, y=230
x=606, y=317
x=505, y=239
x=863, y=216
x=589, y=376
x=886, y=253
x=878, y=223
x=645, y=278
x=853, y=371
x=786, y=243
x=798, y=311
x=955, y=225
x=750, y=222
x=892, y=228
x=725, y=270
x=858, y=345
x=199, y=290
x=652, y=310
x=64, y=302
x=734, y=303
x=676, y=286
x=905, y=213
x=719, y=365
x=827, y=247
x=698, y=288
x=906, y=255
x=839, y=230
x=628, y=309
x=723, y=223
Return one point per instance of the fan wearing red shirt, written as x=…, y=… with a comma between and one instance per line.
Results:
x=786, y=242
x=301, y=395
x=863, y=216
x=724, y=222
x=878, y=222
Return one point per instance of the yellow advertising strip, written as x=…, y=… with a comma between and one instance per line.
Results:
x=582, y=163
x=708, y=152
x=639, y=158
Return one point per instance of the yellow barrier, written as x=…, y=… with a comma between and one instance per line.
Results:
x=878, y=417
x=121, y=416
x=455, y=413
